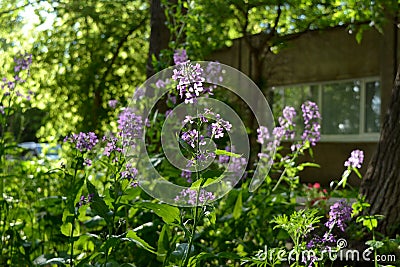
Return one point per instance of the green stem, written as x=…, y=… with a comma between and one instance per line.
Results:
x=375, y=254
x=72, y=242
x=196, y=211
x=295, y=155
x=187, y=253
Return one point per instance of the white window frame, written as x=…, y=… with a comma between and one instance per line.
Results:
x=361, y=136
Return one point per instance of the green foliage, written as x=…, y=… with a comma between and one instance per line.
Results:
x=87, y=55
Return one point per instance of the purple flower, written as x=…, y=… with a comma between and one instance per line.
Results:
x=130, y=126
x=180, y=56
x=187, y=174
x=287, y=123
x=312, y=126
x=355, y=160
x=236, y=166
x=87, y=162
x=190, y=81
x=263, y=134
x=85, y=200
x=190, y=196
x=22, y=62
x=2, y=110
x=130, y=172
x=83, y=141
x=172, y=98
x=217, y=128
x=213, y=76
x=224, y=158
x=278, y=133
x=339, y=214
x=111, y=145
x=112, y=103
x=190, y=137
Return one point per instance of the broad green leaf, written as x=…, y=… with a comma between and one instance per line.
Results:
x=201, y=183
x=163, y=243
x=168, y=213
x=237, y=210
x=66, y=229
x=131, y=236
x=98, y=205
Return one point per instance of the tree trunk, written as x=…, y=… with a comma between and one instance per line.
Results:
x=159, y=35
x=381, y=184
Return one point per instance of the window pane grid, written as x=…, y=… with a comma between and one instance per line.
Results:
x=348, y=108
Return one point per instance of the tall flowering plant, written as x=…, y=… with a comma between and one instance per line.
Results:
x=13, y=95
x=12, y=99
x=284, y=131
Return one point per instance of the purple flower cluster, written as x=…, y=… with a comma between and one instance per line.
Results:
x=190, y=196
x=237, y=165
x=312, y=126
x=263, y=134
x=130, y=126
x=130, y=174
x=224, y=158
x=339, y=214
x=180, y=56
x=217, y=127
x=22, y=62
x=162, y=83
x=190, y=137
x=85, y=200
x=83, y=141
x=190, y=81
x=213, y=76
x=356, y=159
x=286, y=122
x=112, y=103
x=317, y=240
x=112, y=145
x=187, y=174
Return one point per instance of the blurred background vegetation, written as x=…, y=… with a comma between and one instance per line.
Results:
x=86, y=53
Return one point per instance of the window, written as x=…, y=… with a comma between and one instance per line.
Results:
x=350, y=109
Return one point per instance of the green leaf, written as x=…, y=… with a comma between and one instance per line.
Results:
x=111, y=242
x=359, y=35
x=168, y=213
x=66, y=229
x=374, y=244
x=203, y=183
x=98, y=205
x=237, y=210
x=131, y=236
x=163, y=243
x=301, y=166
x=227, y=153
x=212, y=217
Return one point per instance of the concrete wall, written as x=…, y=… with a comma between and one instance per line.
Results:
x=325, y=56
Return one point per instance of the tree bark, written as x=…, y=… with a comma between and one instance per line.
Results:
x=159, y=35
x=381, y=184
